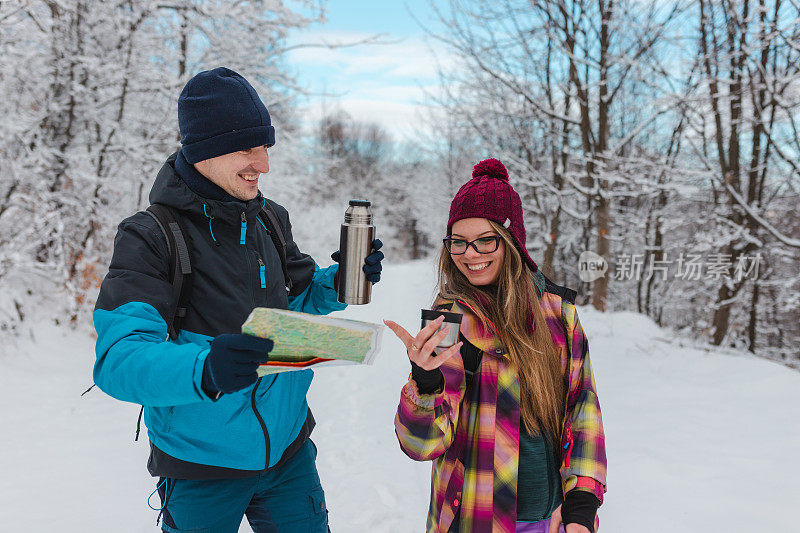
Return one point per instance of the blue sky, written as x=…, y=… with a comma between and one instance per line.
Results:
x=378, y=83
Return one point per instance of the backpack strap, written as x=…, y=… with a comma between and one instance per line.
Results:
x=180, y=251
x=275, y=230
x=565, y=292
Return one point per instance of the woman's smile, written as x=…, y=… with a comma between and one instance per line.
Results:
x=479, y=268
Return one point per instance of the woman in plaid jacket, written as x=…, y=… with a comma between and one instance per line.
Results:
x=509, y=415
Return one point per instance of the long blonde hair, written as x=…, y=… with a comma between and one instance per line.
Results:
x=516, y=312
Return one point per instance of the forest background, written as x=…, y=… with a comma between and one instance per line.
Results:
x=655, y=143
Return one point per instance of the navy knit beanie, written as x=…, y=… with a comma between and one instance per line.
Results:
x=219, y=112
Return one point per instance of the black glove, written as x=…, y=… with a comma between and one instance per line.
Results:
x=580, y=507
x=372, y=263
x=428, y=381
x=232, y=363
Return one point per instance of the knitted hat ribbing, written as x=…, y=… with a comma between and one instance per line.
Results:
x=219, y=112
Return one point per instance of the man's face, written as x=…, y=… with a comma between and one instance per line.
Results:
x=237, y=173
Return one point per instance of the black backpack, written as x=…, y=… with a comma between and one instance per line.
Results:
x=180, y=253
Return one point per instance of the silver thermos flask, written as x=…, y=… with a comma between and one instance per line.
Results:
x=355, y=244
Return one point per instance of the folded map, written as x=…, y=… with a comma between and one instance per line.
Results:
x=303, y=340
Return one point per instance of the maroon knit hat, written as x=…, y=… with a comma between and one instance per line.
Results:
x=489, y=195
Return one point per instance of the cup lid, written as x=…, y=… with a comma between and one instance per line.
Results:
x=451, y=318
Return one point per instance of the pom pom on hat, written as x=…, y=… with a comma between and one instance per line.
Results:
x=492, y=168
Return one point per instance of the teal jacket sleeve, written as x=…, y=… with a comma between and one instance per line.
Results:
x=319, y=297
x=135, y=362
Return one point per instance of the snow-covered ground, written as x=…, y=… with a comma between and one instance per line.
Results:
x=698, y=440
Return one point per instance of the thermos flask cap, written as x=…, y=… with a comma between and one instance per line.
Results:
x=360, y=203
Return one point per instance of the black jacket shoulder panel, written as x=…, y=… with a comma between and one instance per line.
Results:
x=565, y=292
x=299, y=265
x=139, y=268
x=153, y=230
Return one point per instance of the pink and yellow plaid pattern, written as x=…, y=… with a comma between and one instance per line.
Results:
x=474, y=441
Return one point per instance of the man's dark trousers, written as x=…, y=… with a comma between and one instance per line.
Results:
x=286, y=499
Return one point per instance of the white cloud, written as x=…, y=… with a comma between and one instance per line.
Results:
x=383, y=83
x=398, y=118
x=412, y=58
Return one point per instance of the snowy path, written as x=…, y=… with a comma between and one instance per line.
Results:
x=698, y=441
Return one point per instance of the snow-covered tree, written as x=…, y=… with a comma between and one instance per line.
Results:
x=656, y=134
x=544, y=86
x=89, y=112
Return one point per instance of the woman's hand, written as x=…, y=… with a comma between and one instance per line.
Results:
x=420, y=349
x=555, y=521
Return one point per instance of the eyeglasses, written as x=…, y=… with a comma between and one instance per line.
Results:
x=484, y=245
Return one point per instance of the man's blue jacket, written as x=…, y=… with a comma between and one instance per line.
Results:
x=235, y=268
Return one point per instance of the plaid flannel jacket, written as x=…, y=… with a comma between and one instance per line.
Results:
x=474, y=441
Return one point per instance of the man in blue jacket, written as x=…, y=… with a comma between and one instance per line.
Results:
x=224, y=443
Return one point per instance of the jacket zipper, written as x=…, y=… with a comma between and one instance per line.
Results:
x=261, y=422
x=243, y=231
x=262, y=273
